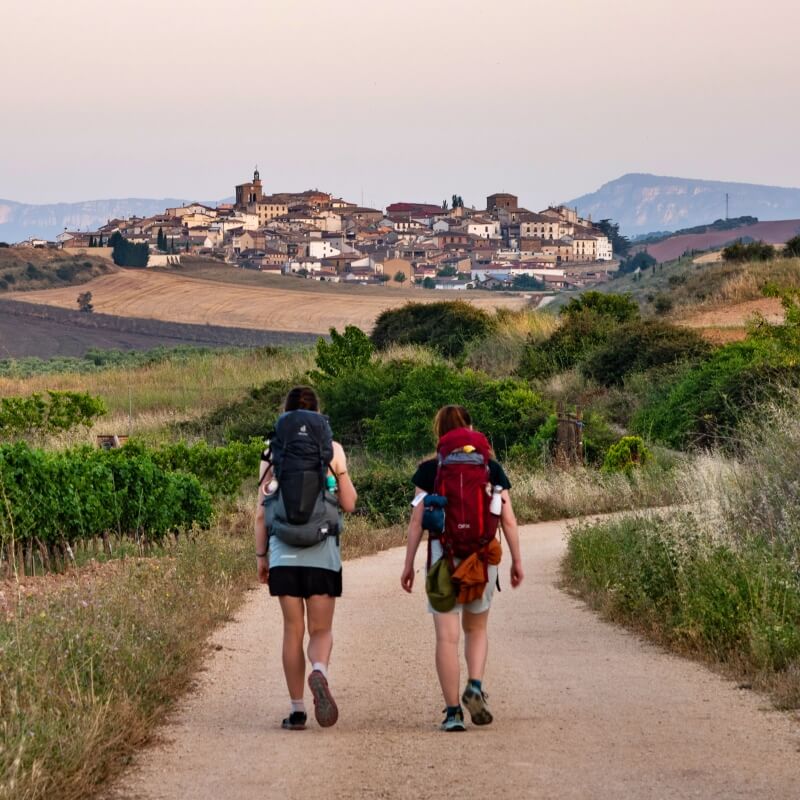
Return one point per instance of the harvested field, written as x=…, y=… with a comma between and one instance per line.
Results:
x=315, y=309
x=28, y=329
x=736, y=315
x=776, y=232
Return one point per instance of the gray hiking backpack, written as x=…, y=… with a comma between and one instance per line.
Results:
x=302, y=512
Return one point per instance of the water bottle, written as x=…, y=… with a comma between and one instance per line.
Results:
x=271, y=487
x=496, y=505
x=330, y=484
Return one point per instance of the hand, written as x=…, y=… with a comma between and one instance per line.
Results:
x=517, y=574
x=263, y=569
x=407, y=578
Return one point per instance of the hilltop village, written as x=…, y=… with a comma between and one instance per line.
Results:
x=315, y=235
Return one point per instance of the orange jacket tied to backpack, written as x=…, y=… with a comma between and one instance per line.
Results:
x=470, y=528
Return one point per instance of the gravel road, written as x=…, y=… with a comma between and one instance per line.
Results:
x=582, y=709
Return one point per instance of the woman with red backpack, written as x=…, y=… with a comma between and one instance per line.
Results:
x=303, y=487
x=461, y=500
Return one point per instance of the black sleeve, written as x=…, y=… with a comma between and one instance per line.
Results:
x=498, y=476
x=425, y=476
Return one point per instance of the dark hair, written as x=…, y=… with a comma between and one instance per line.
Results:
x=448, y=418
x=301, y=397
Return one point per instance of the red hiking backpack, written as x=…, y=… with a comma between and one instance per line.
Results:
x=463, y=478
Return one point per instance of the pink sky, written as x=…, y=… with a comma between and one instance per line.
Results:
x=417, y=99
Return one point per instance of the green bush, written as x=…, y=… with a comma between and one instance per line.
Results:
x=445, y=326
x=620, y=307
x=385, y=491
x=81, y=494
x=243, y=420
x=220, y=470
x=507, y=411
x=641, y=345
x=708, y=402
x=344, y=353
x=750, y=251
x=36, y=416
x=581, y=332
x=793, y=247
x=629, y=453
x=667, y=578
x=350, y=401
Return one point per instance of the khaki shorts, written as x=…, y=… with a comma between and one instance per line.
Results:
x=478, y=606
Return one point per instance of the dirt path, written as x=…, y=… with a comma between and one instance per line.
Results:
x=582, y=709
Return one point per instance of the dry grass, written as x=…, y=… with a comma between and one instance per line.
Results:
x=92, y=663
x=500, y=353
x=718, y=579
x=722, y=284
x=560, y=494
x=417, y=354
x=88, y=671
x=174, y=297
x=146, y=399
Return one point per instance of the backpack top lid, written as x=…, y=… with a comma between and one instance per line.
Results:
x=462, y=438
x=303, y=442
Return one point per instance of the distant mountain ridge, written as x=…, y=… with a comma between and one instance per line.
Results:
x=642, y=203
x=18, y=221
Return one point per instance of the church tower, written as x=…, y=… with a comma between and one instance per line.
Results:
x=249, y=193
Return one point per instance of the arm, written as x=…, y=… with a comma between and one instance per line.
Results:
x=508, y=521
x=259, y=528
x=414, y=538
x=347, y=492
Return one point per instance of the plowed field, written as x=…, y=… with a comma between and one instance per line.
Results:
x=177, y=298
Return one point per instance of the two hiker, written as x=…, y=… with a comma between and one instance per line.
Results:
x=461, y=499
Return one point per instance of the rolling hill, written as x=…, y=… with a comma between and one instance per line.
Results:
x=18, y=221
x=642, y=203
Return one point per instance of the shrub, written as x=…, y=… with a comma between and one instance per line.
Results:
x=581, y=332
x=708, y=401
x=793, y=247
x=445, y=326
x=350, y=401
x=641, y=345
x=507, y=411
x=626, y=455
x=36, y=416
x=344, y=353
x=751, y=251
x=252, y=417
x=662, y=304
x=641, y=260
x=384, y=492
x=621, y=307
x=721, y=579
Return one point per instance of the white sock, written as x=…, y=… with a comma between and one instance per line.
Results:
x=298, y=705
x=321, y=667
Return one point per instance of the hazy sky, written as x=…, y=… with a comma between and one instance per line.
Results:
x=407, y=100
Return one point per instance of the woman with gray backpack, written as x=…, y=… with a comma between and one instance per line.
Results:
x=303, y=488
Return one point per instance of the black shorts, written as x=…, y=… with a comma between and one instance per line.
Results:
x=304, y=582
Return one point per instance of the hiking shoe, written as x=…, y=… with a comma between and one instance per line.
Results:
x=325, y=709
x=453, y=722
x=296, y=721
x=475, y=701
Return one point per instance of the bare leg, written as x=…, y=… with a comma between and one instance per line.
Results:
x=294, y=662
x=320, y=628
x=447, y=663
x=476, y=643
